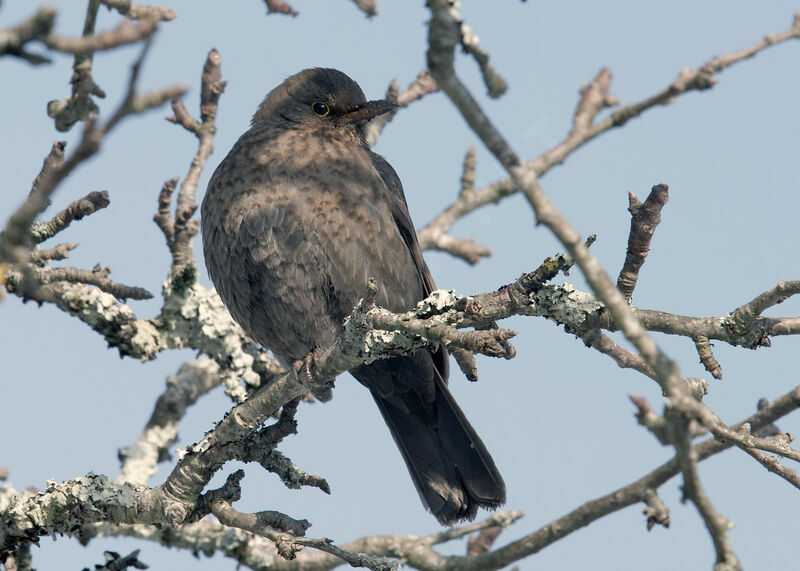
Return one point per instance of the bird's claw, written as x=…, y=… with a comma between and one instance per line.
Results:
x=305, y=364
x=304, y=369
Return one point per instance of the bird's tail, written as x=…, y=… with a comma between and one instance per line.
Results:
x=450, y=466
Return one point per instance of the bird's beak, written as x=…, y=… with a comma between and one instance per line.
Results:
x=367, y=111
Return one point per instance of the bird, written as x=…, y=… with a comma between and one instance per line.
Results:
x=295, y=221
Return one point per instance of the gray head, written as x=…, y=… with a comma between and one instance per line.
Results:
x=318, y=98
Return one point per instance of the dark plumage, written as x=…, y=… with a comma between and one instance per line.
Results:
x=296, y=219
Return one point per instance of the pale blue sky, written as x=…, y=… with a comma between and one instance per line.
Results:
x=557, y=418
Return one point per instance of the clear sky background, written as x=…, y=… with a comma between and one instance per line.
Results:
x=556, y=418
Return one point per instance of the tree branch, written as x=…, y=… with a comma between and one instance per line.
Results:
x=644, y=219
x=594, y=98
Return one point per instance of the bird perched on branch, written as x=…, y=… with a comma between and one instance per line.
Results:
x=296, y=219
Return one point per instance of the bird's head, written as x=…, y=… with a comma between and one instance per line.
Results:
x=319, y=98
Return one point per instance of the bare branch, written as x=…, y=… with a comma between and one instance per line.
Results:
x=482, y=541
x=419, y=88
x=495, y=84
x=38, y=26
x=126, y=33
x=716, y=524
x=60, y=252
x=595, y=339
x=648, y=418
x=644, y=219
x=115, y=562
x=442, y=39
x=466, y=362
x=56, y=168
x=778, y=444
x=771, y=463
x=754, y=331
x=13, y=238
x=279, y=7
x=594, y=98
x=369, y=7
x=79, y=106
x=657, y=512
x=137, y=12
x=163, y=217
x=134, y=102
x=259, y=448
x=707, y=358
x=634, y=492
x=15, y=278
x=434, y=235
x=77, y=210
x=258, y=522
x=181, y=233
x=182, y=116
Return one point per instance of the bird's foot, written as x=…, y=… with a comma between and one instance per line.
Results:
x=304, y=369
x=306, y=366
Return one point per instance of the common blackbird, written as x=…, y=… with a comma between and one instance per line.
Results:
x=296, y=219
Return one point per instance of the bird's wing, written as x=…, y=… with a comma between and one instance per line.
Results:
x=402, y=218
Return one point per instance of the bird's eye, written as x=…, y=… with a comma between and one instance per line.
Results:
x=321, y=109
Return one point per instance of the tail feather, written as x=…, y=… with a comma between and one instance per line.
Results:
x=451, y=468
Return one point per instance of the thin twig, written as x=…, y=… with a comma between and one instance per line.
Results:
x=645, y=216
x=716, y=524
x=126, y=33
x=369, y=7
x=38, y=26
x=76, y=210
x=279, y=7
x=594, y=98
x=422, y=85
x=138, y=12
x=707, y=358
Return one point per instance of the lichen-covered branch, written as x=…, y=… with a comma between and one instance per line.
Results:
x=16, y=275
x=192, y=380
x=209, y=536
x=193, y=317
x=258, y=552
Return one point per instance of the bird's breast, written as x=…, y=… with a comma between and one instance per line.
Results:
x=302, y=224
